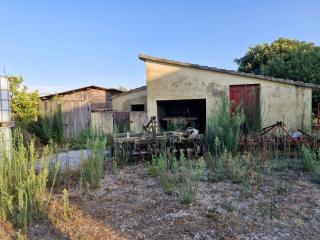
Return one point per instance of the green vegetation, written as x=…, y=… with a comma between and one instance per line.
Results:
x=284, y=58
x=310, y=162
x=24, y=105
x=47, y=129
x=223, y=129
x=181, y=176
x=120, y=153
x=92, y=167
x=23, y=182
x=66, y=207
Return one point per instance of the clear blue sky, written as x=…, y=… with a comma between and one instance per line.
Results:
x=57, y=45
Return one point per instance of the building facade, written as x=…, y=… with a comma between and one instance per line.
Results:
x=192, y=93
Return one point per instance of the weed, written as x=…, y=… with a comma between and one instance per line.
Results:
x=66, y=208
x=92, y=167
x=23, y=182
x=224, y=127
x=310, y=163
x=48, y=128
x=177, y=175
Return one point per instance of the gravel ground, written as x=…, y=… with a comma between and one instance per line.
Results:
x=70, y=160
x=134, y=203
x=285, y=205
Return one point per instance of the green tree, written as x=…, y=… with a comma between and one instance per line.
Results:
x=24, y=104
x=284, y=58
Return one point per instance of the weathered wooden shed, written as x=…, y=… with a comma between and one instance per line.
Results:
x=77, y=106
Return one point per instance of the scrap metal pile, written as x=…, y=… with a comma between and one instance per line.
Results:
x=152, y=141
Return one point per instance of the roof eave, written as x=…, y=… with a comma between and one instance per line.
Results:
x=145, y=57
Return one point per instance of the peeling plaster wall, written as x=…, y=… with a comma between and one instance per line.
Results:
x=280, y=102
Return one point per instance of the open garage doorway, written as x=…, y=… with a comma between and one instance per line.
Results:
x=180, y=114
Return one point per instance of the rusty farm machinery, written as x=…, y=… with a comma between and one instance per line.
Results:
x=189, y=142
x=152, y=141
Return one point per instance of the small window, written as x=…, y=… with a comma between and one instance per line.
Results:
x=137, y=108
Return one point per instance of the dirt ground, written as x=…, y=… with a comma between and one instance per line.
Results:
x=283, y=206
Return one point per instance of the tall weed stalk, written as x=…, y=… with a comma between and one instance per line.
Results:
x=224, y=127
x=92, y=167
x=23, y=182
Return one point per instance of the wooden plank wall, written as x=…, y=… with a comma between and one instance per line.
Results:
x=77, y=107
x=102, y=121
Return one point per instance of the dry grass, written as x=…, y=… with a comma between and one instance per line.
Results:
x=80, y=225
x=6, y=230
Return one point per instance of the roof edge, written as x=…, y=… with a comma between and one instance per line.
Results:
x=145, y=57
x=79, y=89
x=130, y=91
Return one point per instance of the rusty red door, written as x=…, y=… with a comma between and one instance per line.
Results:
x=247, y=98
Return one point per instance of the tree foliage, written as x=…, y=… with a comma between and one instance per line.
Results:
x=24, y=104
x=284, y=58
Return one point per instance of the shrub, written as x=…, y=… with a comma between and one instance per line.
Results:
x=230, y=167
x=310, y=162
x=92, y=167
x=189, y=173
x=182, y=175
x=308, y=159
x=120, y=152
x=47, y=129
x=23, y=182
x=224, y=127
x=157, y=166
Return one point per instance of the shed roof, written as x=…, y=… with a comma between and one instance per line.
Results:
x=144, y=57
x=131, y=91
x=80, y=89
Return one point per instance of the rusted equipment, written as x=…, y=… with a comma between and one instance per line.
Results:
x=276, y=135
x=151, y=141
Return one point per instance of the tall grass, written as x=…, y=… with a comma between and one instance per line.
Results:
x=181, y=176
x=121, y=152
x=48, y=127
x=92, y=167
x=224, y=127
x=23, y=182
x=80, y=140
x=310, y=162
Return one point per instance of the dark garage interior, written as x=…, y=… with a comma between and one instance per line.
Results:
x=187, y=113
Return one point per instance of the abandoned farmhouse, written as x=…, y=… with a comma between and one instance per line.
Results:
x=188, y=93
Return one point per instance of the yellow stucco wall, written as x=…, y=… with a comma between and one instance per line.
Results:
x=280, y=102
x=123, y=102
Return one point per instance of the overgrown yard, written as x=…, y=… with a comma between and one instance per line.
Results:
x=268, y=191
x=133, y=205
x=276, y=201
